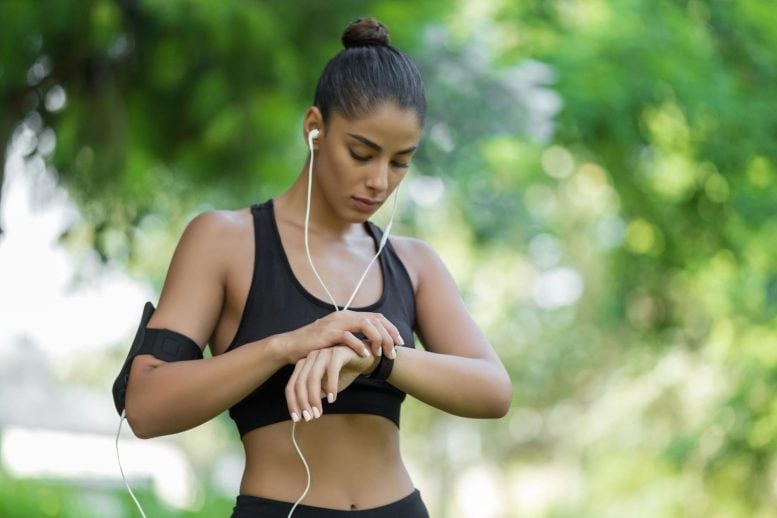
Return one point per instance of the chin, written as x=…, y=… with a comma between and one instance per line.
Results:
x=357, y=217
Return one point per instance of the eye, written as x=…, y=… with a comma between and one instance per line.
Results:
x=401, y=165
x=358, y=157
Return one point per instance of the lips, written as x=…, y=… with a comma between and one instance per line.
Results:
x=365, y=204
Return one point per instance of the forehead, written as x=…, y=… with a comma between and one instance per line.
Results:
x=386, y=124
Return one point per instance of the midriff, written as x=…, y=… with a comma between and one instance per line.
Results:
x=354, y=459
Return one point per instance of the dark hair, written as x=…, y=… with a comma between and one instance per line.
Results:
x=367, y=72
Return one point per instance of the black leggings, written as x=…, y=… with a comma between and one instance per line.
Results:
x=248, y=506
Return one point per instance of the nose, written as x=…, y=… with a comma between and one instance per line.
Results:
x=378, y=176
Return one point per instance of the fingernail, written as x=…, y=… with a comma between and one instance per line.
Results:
x=306, y=415
x=393, y=353
x=330, y=397
x=294, y=417
x=401, y=341
x=316, y=413
x=366, y=353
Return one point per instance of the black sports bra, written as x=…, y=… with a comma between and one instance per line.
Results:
x=278, y=303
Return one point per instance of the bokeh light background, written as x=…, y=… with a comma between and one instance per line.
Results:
x=600, y=177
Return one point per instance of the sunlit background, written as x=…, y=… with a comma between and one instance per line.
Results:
x=600, y=177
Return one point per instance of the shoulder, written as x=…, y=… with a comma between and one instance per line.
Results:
x=218, y=227
x=191, y=297
x=418, y=256
x=213, y=237
x=211, y=223
x=411, y=246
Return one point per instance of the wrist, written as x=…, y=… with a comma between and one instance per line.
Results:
x=370, y=364
x=277, y=346
x=380, y=368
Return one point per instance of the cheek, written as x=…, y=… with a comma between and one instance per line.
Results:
x=332, y=169
x=343, y=168
x=326, y=163
x=398, y=178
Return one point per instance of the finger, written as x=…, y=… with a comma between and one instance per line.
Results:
x=354, y=343
x=387, y=343
x=332, y=379
x=300, y=387
x=314, y=382
x=392, y=329
x=373, y=334
x=291, y=396
x=380, y=338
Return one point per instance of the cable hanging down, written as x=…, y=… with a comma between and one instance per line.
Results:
x=383, y=242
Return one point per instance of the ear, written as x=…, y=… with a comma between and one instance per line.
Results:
x=313, y=120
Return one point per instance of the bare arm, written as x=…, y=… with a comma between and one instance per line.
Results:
x=164, y=398
x=459, y=372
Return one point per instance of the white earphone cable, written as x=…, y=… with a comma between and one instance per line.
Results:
x=121, y=420
x=383, y=241
x=307, y=222
x=304, y=463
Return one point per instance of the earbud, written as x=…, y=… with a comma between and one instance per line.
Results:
x=313, y=133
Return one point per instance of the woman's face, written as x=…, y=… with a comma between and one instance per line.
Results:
x=359, y=162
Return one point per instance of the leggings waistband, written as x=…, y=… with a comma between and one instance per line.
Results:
x=249, y=506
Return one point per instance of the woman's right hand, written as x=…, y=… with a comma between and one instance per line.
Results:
x=338, y=328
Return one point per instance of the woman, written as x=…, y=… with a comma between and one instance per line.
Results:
x=287, y=365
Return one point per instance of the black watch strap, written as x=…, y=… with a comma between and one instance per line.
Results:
x=383, y=370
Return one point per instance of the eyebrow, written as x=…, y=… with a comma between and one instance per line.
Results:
x=376, y=147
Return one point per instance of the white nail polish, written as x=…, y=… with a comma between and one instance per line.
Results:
x=393, y=353
x=306, y=415
x=330, y=397
x=294, y=417
x=316, y=413
x=366, y=353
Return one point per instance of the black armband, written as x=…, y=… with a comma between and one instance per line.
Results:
x=164, y=344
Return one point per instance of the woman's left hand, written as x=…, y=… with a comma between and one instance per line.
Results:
x=327, y=371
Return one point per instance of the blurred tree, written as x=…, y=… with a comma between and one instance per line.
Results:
x=667, y=143
x=157, y=107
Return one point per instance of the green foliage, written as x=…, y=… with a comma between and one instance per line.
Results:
x=672, y=104
x=25, y=499
x=172, y=106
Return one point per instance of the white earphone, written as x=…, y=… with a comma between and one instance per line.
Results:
x=313, y=134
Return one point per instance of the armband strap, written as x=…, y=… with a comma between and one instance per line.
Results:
x=164, y=344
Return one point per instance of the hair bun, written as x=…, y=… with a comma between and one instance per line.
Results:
x=366, y=32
